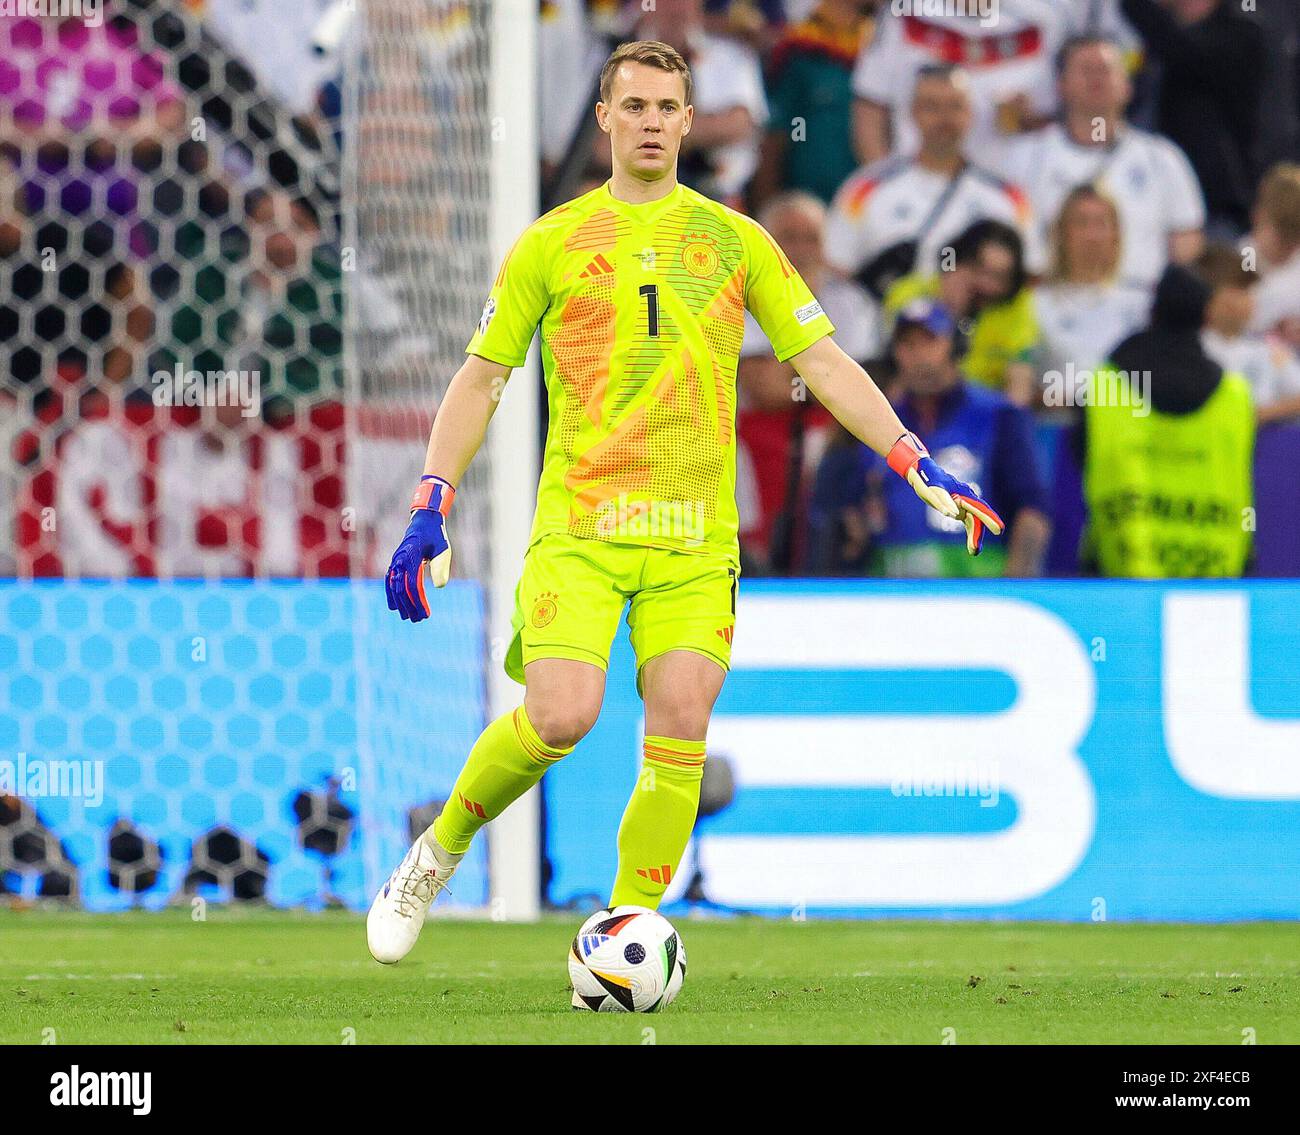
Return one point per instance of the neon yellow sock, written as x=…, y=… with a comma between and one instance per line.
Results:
x=658, y=820
x=505, y=762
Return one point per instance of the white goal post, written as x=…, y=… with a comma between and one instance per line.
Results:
x=514, y=839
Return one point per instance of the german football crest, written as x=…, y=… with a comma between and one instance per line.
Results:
x=699, y=258
x=544, y=609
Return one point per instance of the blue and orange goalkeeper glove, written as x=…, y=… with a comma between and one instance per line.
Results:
x=425, y=542
x=943, y=492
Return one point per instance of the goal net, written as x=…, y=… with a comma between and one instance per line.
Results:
x=235, y=278
x=417, y=198
x=432, y=167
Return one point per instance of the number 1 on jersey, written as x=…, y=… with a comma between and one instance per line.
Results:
x=651, y=293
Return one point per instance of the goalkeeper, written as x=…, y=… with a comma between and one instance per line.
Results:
x=640, y=288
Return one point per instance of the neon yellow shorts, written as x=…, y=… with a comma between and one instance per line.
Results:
x=573, y=591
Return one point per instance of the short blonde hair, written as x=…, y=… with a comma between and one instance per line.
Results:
x=650, y=52
x=1061, y=268
x=1279, y=201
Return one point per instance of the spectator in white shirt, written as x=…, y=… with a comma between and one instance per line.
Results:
x=798, y=223
x=1265, y=361
x=1083, y=308
x=894, y=217
x=1161, y=208
x=720, y=154
x=1008, y=53
x=571, y=47
x=1276, y=241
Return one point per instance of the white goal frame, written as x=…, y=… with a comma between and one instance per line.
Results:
x=514, y=848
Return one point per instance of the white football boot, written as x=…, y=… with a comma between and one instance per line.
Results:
x=397, y=915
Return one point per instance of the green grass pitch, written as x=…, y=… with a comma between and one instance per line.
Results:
x=272, y=977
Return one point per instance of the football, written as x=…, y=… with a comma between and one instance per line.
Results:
x=626, y=960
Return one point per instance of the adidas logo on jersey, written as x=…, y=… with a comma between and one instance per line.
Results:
x=599, y=266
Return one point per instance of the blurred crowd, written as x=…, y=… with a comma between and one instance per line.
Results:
x=1013, y=212
x=1064, y=236
x=147, y=232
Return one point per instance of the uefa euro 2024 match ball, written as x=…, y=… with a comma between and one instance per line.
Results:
x=626, y=960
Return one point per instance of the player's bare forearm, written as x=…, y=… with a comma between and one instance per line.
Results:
x=462, y=420
x=848, y=392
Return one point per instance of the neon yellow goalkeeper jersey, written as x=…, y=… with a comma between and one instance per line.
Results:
x=642, y=313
